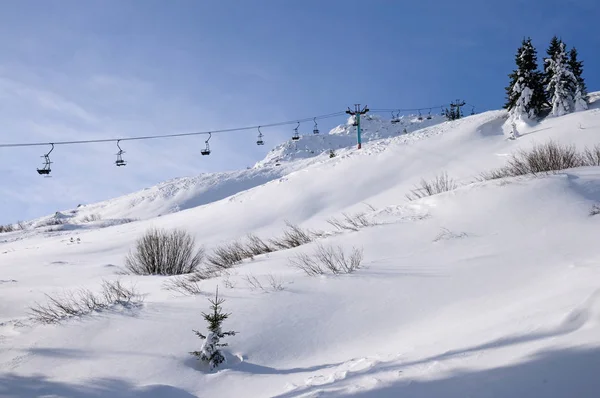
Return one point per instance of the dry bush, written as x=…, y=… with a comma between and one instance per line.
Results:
x=544, y=159
x=256, y=246
x=205, y=272
x=441, y=183
x=184, y=285
x=52, y=221
x=350, y=222
x=82, y=302
x=595, y=210
x=161, y=252
x=228, y=255
x=294, y=236
x=328, y=259
x=91, y=217
x=446, y=234
x=7, y=228
x=274, y=284
x=592, y=156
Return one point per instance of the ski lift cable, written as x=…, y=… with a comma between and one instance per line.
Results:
x=150, y=137
x=382, y=110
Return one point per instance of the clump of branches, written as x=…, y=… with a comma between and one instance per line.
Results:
x=83, y=301
x=184, y=285
x=595, y=209
x=592, y=156
x=52, y=221
x=161, y=252
x=548, y=158
x=446, y=234
x=352, y=222
x=256, y=246
x=228, y=255
x=7, y=228
x=293, y=236
x=328, y=259
x=441, y=183
x=272, y=283
x=91, y=218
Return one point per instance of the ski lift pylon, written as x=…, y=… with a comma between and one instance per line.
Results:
x=46, y=169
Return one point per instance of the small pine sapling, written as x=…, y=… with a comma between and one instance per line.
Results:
x=209, y=352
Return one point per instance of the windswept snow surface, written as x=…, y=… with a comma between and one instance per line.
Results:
x=490, y=290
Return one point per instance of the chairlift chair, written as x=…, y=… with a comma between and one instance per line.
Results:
x=316, y=128
x=296, y=137
x=46, y=169
x=420, y=117
x=260, y=141
x=473, y=111
x=396, y=118
x=120, y=161
x=429, y=115
x=206, y=151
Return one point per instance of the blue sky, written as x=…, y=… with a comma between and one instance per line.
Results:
x=100, y=69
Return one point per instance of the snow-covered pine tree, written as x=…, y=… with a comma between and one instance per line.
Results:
x=580, y=97
x=562, y=85
x=209, y=352
x=525, y=94
x=551, y=52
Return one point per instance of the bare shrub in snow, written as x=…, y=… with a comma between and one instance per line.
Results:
x=441, y=183
x=256, y=246
x=253, y=283
x=91, y=218
x=52, y=221
x=161, y=252
x=183, y=285
x=209, y=353
x=228, y=255
x=274, y=284
x=83, y=302
x=544, y=159
x=205, y=272
x=7, y=228
x=370, y=206
x=446, y=234
x=294, y=236
x=595, y=210
x=228, y=283
x=350, y=222
x=328, y=259
x=307, y=263
x=592, y=156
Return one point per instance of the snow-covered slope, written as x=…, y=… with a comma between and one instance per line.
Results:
x=492, y=289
